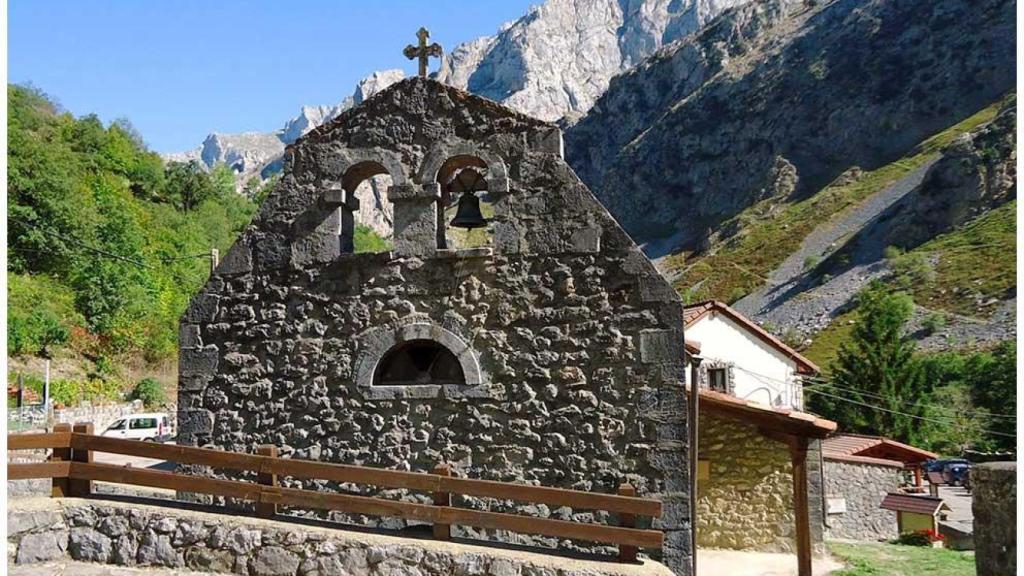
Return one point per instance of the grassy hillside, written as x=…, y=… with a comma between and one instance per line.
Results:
x=772, y=229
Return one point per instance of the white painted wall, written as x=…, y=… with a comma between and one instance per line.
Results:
x=760, y=372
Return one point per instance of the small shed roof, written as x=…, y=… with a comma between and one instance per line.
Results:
x=916, y=504
x=875, y=447
x=695, y=312
x=776, y=419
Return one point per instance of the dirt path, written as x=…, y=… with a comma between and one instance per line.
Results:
x=737, y=563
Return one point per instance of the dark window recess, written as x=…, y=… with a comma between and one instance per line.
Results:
x=416, y=363
x=717, y=380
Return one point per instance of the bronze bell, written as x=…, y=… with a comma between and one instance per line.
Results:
x=468, y=215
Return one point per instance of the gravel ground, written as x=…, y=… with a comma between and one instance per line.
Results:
x=70, y=568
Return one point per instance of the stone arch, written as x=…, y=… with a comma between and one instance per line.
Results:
x=497, y=172
x=350, y=168
x=446, y=160
x=376, y=343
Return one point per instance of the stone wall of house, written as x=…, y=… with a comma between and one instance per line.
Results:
x=570, y=340
x=40, y=530
x=747, y=503
x=994, y=503
x=861, y=487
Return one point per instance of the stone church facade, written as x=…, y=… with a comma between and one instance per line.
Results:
x=554, y=356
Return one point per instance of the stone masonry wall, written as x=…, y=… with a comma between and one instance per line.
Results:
x=570, y=340
x=748, y=501
x=124, y=534
x=994, y=503
x=862, y=486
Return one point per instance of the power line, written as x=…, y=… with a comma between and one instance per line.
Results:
x=898, y=413
x=823, y=382
x=102, y=252
x=941, y=408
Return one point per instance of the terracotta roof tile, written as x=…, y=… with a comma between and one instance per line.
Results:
x=791, y=421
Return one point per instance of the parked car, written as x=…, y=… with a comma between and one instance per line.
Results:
x=940, y=465
x=957, y=474
x=153, y=426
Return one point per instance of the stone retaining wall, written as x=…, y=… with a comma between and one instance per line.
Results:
x=994, y=503
x=860, y=486
x=129, y=534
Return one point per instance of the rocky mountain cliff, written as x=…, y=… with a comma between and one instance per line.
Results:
x=555, y=61
x=256, y=154
x=778, y=99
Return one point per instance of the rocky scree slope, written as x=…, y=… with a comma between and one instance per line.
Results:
x=778, y=99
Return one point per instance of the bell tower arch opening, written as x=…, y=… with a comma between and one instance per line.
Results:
x=466, y=210
x=367, y=218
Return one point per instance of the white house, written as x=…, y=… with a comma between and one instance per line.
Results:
x=743, y=359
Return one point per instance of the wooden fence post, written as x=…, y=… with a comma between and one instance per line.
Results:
x=442, y=531
x=60, y=485
x=81, y=488
x=264, y=509
x=627, y=553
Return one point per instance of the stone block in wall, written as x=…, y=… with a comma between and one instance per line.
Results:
x=188, y=336
x=587, y=240
x=547, y=141
x=272, y=251
x=195, y=421
x=198, y=361
x=202, y=309
x=237, y=261
x=657, y=346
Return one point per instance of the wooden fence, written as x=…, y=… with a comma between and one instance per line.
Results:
x=72, y=469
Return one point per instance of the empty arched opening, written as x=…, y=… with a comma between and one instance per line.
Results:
x=418, y=363
x=370, y=222
x=462, y=221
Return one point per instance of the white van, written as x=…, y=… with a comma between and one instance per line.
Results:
x=154, y=426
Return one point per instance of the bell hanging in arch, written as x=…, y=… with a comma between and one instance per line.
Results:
x=468, y=215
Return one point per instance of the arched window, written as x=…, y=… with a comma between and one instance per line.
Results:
x=417, y=363
x=366, y=225
x=460, y=175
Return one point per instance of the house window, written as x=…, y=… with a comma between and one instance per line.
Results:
x=718, y=380
x=418, y=363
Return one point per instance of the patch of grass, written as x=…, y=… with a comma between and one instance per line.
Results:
x=897, y=560
x=768, y=234
x=365, y=239
x=977, y=261
x=825, y=344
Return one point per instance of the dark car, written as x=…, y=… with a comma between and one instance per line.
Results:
x=940, y=465
x=957, y=474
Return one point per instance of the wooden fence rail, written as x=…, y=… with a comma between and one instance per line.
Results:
x=73, y=470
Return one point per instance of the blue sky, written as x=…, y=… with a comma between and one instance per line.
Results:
x=180, y=69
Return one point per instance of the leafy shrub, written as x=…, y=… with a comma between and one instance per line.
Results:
x=934, y=322
x=365, y=239
x=150, y=392
x=811, y=262
x=74, y=392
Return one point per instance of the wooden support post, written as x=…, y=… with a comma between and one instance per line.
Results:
x=917, y=476
x=60, y=485
x=265, y=509
x=801, y=505
x=442, y=531
x=81, y=488
x=627, y=553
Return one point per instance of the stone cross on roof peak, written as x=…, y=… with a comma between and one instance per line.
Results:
x=423, y=52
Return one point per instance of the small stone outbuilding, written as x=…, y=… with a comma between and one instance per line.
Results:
x=854, y=489
x=554, y=356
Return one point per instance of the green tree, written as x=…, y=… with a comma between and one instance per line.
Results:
x=992, y=380
x=876, y=379
x=187, y=185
